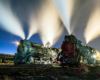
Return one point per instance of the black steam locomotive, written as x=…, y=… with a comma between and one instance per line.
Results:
x=29, y=52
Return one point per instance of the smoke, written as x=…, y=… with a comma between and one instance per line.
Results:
x=9, y=21
x=42, y=17
x=92, y=30
x=49, y=25
x=65, y=7
x=81, y=12
x=33, y=26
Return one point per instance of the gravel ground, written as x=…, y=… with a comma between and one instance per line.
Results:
x=53, y=73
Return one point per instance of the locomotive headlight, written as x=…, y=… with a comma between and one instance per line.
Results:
x=16, y=42
x=94, y=56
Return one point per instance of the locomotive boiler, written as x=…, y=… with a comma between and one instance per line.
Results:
x=74, y=53
x=88, y=54
x=29, y=52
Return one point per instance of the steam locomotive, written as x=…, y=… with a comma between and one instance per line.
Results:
x=29, y=52
x=74, y=53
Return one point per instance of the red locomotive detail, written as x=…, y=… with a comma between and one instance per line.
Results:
x=67, y=48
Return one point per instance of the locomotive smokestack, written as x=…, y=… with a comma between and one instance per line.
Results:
x=25, y=39
x=48, y=45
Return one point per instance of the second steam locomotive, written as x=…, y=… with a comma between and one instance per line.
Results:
x=73, y=52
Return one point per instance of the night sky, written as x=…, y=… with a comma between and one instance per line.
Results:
x=23, y=8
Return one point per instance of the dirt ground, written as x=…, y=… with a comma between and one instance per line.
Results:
x=84, y=72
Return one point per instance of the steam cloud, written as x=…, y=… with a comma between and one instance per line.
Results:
x=92, y=30
x=9, y=21
x=41, y=19
x=65, y=8
x=33, y=28
x=46, y=23
x=50, y=29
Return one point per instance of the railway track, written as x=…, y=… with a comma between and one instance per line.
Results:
x=27, y=66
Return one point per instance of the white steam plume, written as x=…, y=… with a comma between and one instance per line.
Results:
x=49, y=29
x=33, y=27
x=92, y=30
x=65, y=8
x=9, y=21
